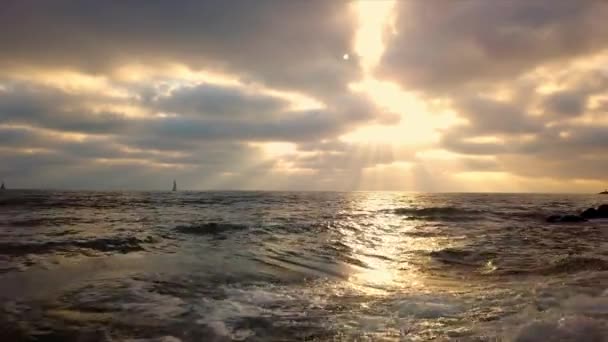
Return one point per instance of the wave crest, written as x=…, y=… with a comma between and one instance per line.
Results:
x=574, y=264
x=439, y=213
x=209, y=228
x=462, y=257
x=110, y=244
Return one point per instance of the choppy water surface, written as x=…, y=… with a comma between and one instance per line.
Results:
x=276, y=266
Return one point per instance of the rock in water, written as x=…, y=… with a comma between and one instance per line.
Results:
x=602, y=211
x=554, y=218
x=572, y=218
x=565, y=218
x=589, y=213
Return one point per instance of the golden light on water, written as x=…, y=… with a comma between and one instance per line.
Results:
x=381, y=244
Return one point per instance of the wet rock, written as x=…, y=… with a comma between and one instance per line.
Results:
x=565, y=218
x=589, y=213
x=602, y=211
x=572, y=218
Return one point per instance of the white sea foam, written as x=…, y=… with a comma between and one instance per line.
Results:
x=565, y=329
x=575, y=319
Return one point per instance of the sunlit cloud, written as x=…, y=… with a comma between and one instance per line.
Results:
x=391, y=95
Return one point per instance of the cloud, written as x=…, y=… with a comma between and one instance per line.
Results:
x=489, y=116
x=199, y=113
x=208, y=92
x=287, y=44
x=202, y=127
x=24, y=103
x=527, y=78
x=442, y=47
x=220, y=101
x=566, y=103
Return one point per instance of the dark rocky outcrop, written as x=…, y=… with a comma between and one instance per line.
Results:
x=572, y=218
x=565, y=218
x=600, y=212
x=589, y=213
x=592, y=213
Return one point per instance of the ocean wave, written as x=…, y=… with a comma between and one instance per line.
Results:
x=110, y=244
x=575, y=264
x=571, y=264
x=462, y=257
x=209, y=228
x=522, y=215
x=567, y=329
x=36, y=202
x=578, y=318
x=41, y=222
x=441, y=213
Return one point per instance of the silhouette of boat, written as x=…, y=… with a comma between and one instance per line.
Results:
x=174, y=185
x=605, y=192
x=2, y=187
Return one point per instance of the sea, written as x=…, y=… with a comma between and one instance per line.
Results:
x=300, y=266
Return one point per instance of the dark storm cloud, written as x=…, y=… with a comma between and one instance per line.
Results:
x=286, y=44
x=445, y=45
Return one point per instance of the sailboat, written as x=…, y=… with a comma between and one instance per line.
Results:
x=2, y=187
x=174, y=185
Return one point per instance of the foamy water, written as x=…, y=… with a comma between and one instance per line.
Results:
x=276, y=266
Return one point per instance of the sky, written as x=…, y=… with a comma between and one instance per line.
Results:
x=439, y=96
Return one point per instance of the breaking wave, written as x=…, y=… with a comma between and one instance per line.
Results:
x=475, y=259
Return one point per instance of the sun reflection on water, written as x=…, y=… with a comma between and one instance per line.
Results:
x=380, y=245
